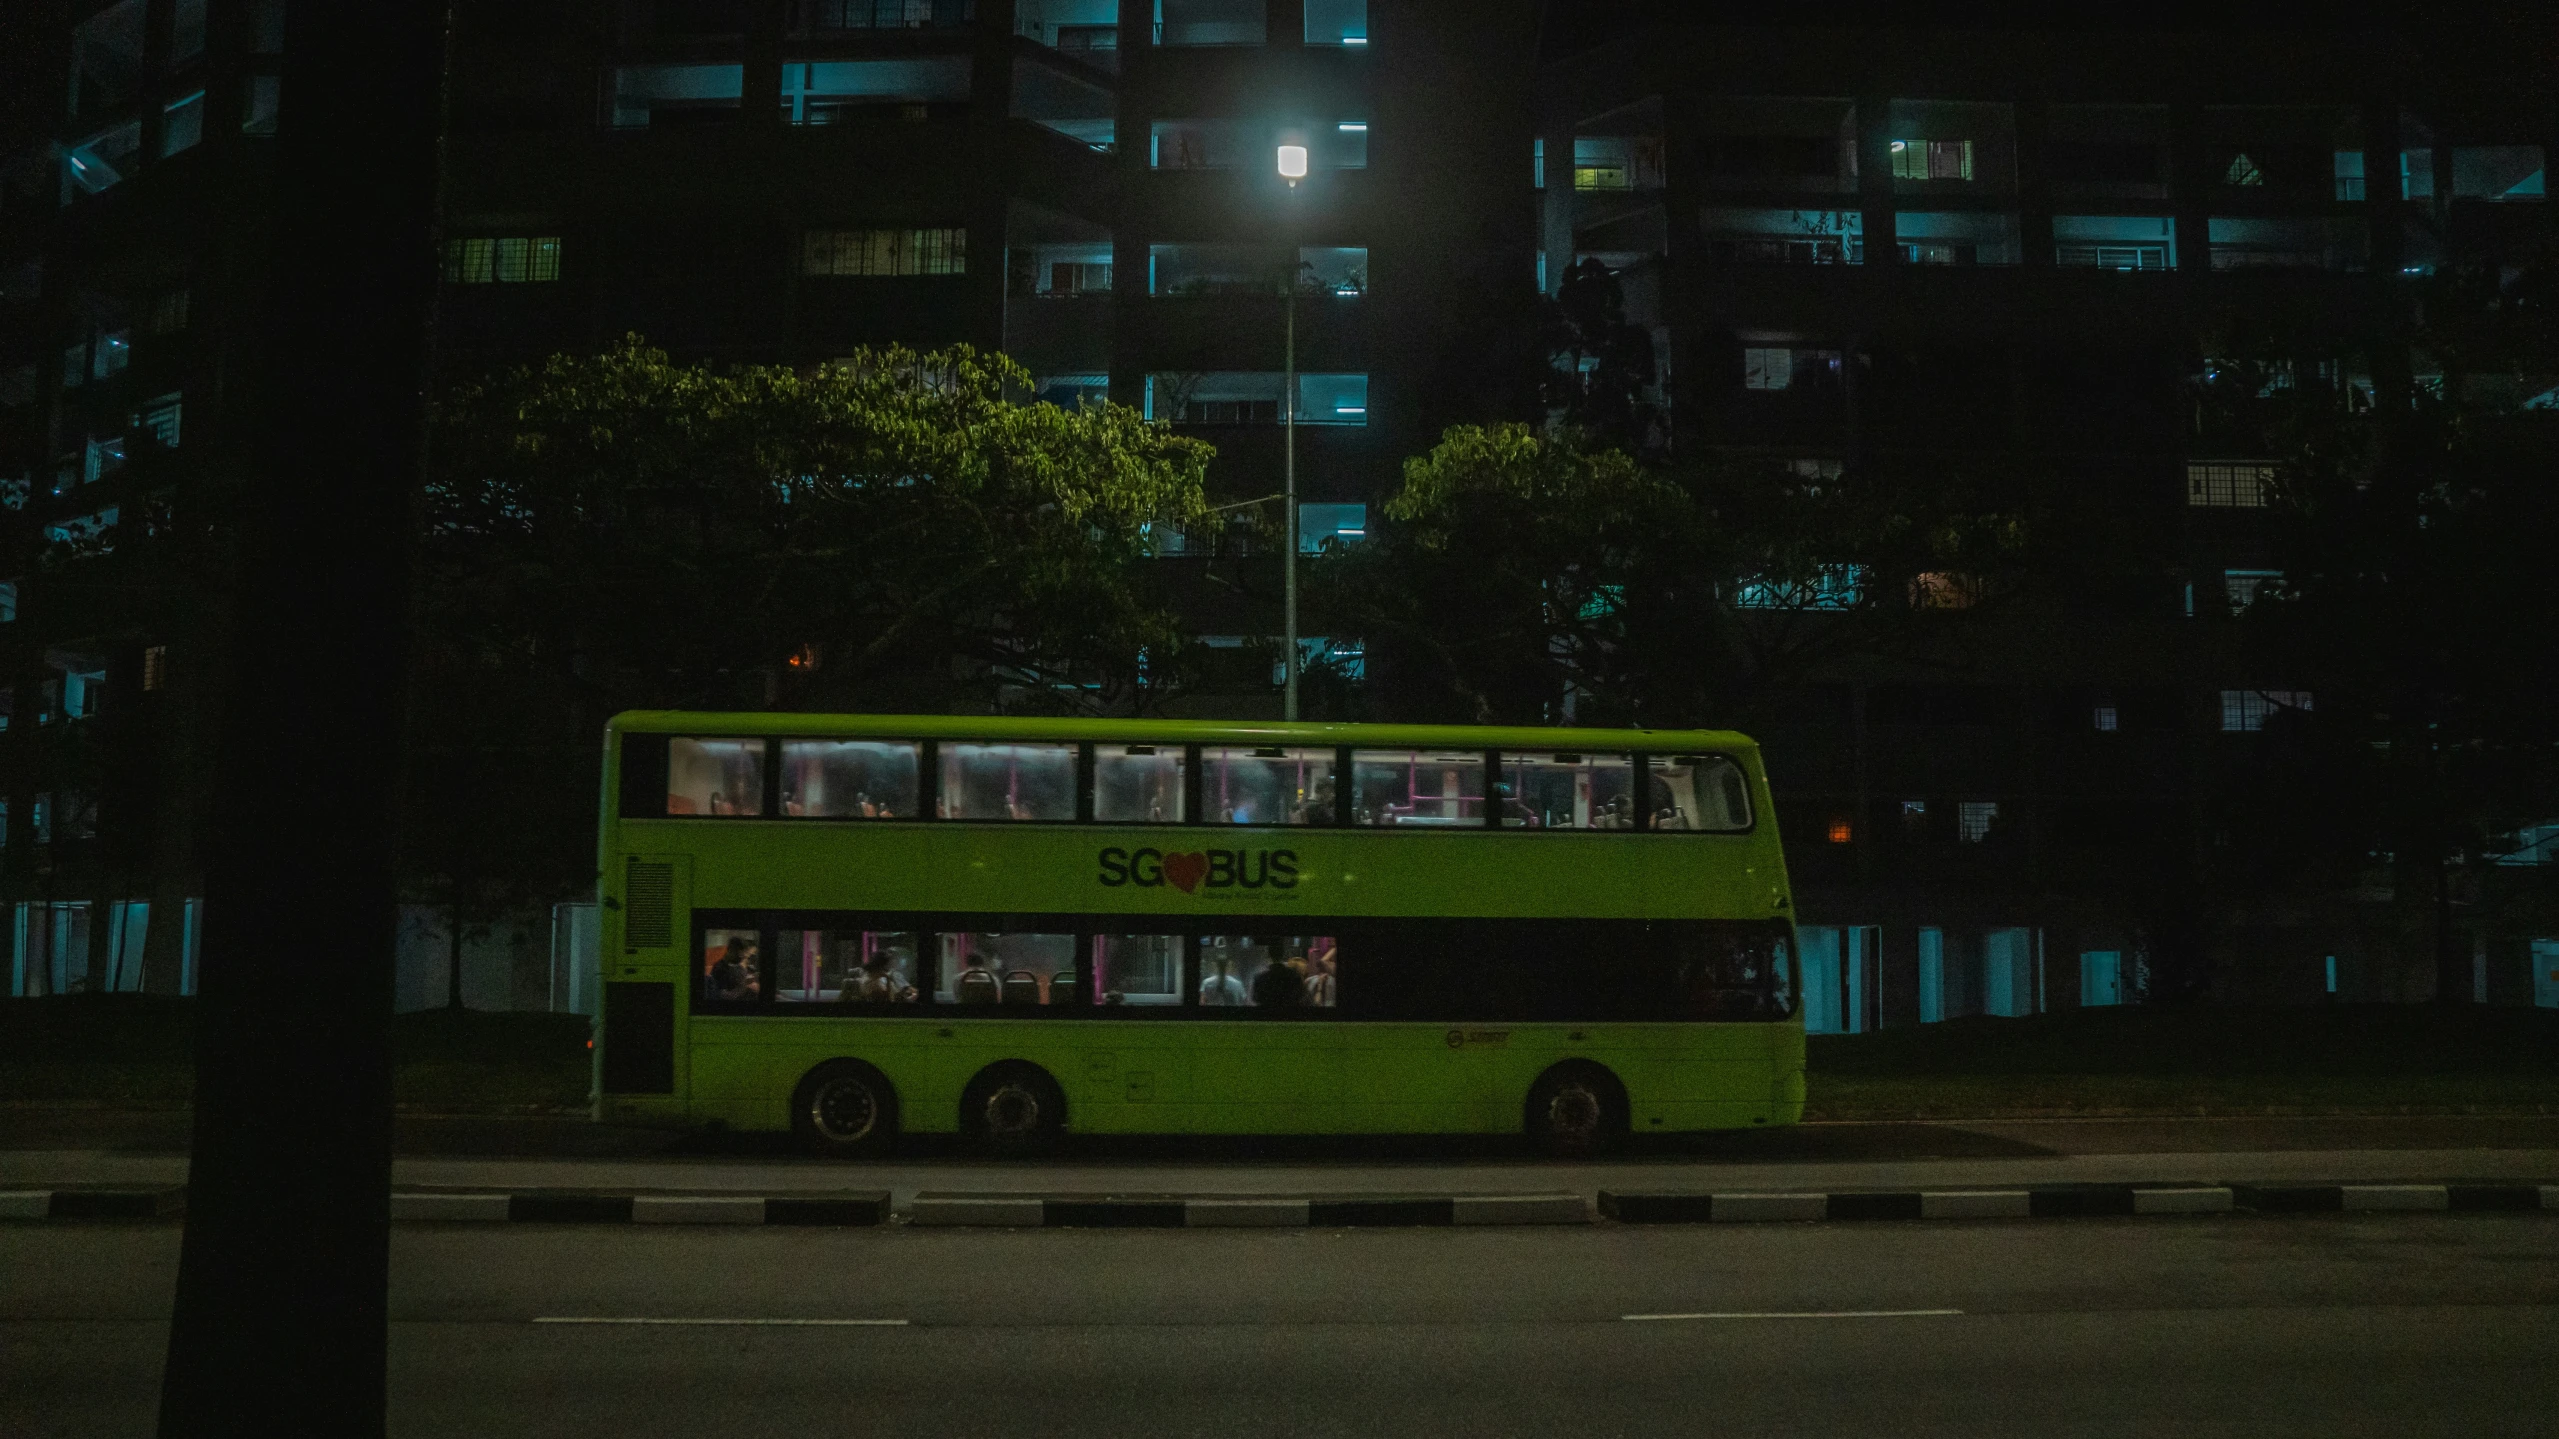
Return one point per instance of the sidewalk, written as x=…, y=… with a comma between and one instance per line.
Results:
x=63, y=1147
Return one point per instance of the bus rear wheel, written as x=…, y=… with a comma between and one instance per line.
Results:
x=1013, y=1109
x=845, y=1108
x=1576, y=1109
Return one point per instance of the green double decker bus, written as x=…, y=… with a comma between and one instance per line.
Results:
x=859, y=926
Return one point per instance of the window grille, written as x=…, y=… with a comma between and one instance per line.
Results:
x=2228, y=486
x=941, y=251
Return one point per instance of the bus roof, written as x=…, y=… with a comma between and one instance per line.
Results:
x=1253, y=732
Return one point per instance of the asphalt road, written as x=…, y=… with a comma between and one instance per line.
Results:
x=2236, y=1325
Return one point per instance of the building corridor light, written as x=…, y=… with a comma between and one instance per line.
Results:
x=1348, y=126
x=1292, y=163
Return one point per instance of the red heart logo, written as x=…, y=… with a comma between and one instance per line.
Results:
x=1186, y=870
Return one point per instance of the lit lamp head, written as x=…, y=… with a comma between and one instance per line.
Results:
x=1292, y=163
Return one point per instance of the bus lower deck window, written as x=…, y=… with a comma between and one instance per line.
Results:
x=1266, y=971
x=1008, y=969
x=842, y=966
x=1139, y=969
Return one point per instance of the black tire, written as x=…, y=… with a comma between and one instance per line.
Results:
x=1575, y=1110
x=1013, y=1108
x=845, y=1108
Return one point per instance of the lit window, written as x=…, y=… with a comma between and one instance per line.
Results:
x=89, y=531
x=1944, y=590
x=1841, y=831
x=160, y=418
x=502, y=259
x=1974, y=818
x=103, y=456
x=1211, y=22
x=646, y=95
x=112, y=353
x=828, y=92
x=265, y=96
x=1765, y=368
x=1932, y=159
x=155, y=666
x=182, y=124
x=1322, y=525
x=2245, y=711
x=2242, y=171
x=2242, y=585
x=1830, y=587
x=1336, y=22
x=2228, y=486
x=2104, y=718
x=884, y=253
x=8, y=601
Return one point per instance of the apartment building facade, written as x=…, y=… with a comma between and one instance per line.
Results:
x=1849, y=247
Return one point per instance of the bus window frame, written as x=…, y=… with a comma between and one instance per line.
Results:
x=651, y=749
x=929, y=926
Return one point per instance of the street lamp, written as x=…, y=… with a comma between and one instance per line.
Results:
x=1292, y=168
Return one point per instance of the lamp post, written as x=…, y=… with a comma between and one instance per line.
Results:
x=1292, y=168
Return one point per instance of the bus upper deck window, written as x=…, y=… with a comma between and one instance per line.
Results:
x=1138, y=784
x=1271, y=785
x=1008, y=781
x=850, y=779
x=1699, y=792
x=1417, y=787
x=1568, y=791
x=715, y=776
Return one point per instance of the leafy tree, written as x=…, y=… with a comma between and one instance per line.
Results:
x=1524, y=577
x=619, y=531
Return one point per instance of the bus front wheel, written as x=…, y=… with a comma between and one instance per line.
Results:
x=1576, y=1109
x=845, y=1108
x=1013, y=1109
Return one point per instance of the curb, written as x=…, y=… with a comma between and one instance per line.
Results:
x=943, y=1209
x=1173, y=1211
x=2075, y=1201
x=866, y=1207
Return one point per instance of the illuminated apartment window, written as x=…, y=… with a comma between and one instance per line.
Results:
x=1932, y=159
x=1841, y=831
x=1775, y=367
x=885, y=253
x=8, y=602
x=2245, y=711
x=1973, y=819
x=2103, y=717
x=155, y=666
x=2241, y=586
x=182, y=124
x=502, y=259
x=2213, y=485
x=160, y=418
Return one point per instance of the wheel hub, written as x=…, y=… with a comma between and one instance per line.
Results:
x=845, y=1111
x=1013, y=1109
x=1575, y=1110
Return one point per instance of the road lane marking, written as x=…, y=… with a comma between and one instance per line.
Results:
x=1804, y=1314
x=771, y=1323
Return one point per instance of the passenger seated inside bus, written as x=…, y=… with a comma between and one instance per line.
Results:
x=977, y=984
x=1218, y=985
x=1279, y=985
x=876, y=983
x=732, y=971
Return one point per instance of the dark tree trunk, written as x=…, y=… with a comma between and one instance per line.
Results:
x=279, y=1324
